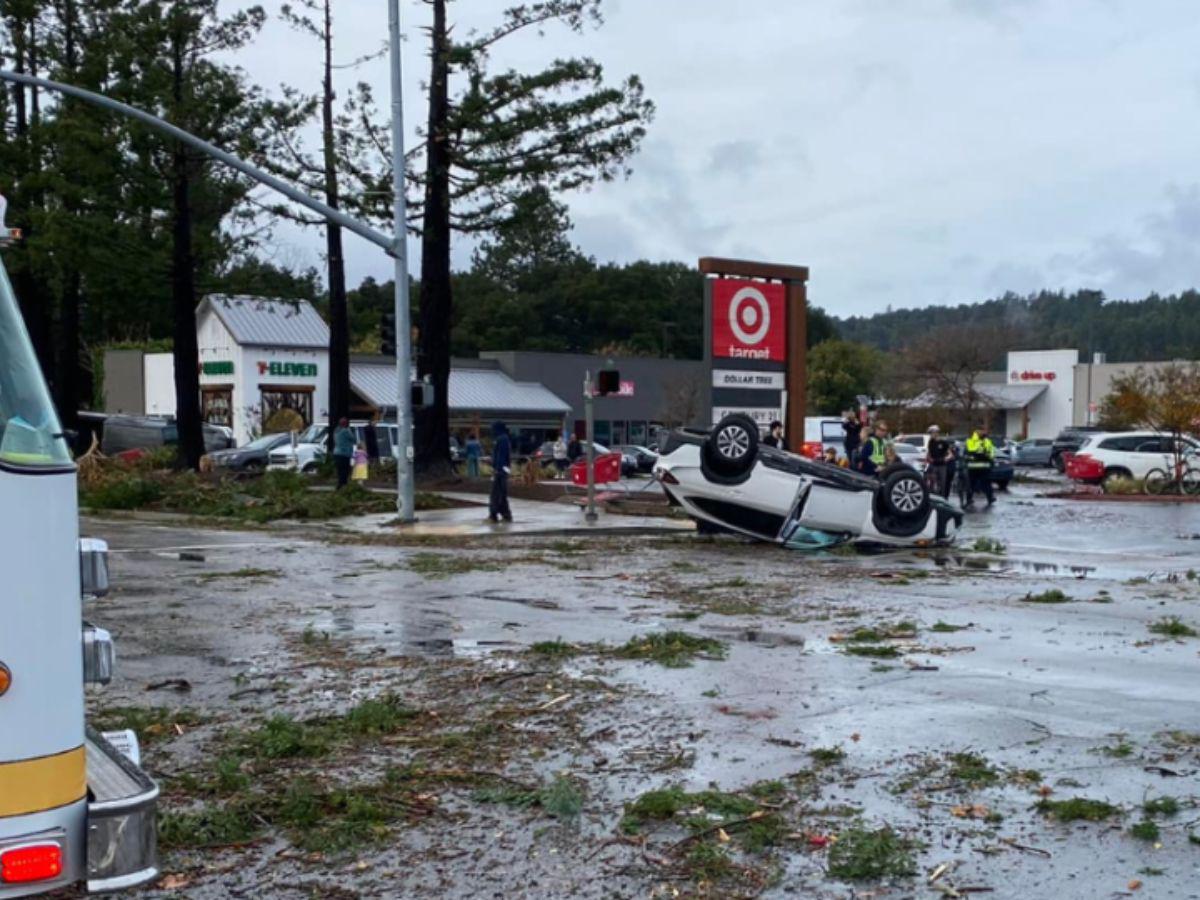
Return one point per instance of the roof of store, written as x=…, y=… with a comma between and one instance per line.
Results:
x=262, y=322
x=470, y=389
x=994, y=396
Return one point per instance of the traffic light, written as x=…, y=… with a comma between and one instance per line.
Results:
x=608, y=381
x=387, y=331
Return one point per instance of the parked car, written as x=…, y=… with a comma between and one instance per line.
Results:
x=643, y=456
x=911, y=449
x=125, y=433
x=1068, y=441
x=1126, y=454
x=252, y=457
x=1033, y=452
x=725, y=479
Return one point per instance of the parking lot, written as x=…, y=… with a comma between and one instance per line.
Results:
x=670, y=715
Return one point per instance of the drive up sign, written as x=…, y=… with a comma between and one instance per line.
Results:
x=749, y=320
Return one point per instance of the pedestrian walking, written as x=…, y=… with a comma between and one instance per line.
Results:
x=501, y=468
x=560, y=458
x=343, y=451
x=939, y=462
x=362, y=464
x=473, y=452
x=981, y=454
x=774, y=436
x=574, y=448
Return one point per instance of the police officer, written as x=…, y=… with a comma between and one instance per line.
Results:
x=872, y=455
x=981, y=453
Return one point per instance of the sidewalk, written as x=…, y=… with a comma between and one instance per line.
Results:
x=529, y=517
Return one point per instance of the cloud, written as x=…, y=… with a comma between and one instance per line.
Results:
x=734, y=157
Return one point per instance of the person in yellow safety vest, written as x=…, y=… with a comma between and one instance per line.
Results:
x=981, y=453
x=872, y=455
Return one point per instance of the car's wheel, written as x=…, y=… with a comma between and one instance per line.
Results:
x=1002, y=485
x=1191, y=481
x=255, y=465
x=1057, y=461
x=731, y=447
x=310, y=468
x=1114, y=475
x=903, y=493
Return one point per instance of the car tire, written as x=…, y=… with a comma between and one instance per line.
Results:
x=1056, y=460
x=1002, y=485
x=902, y=493
x=730, y=449
x=1112, y=474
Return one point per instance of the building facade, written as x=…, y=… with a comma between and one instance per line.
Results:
x=654, y=392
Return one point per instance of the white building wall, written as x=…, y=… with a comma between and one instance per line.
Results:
x=1054, y=408
x=158, y=377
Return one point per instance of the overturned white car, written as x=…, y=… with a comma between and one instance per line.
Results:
x=724, y=479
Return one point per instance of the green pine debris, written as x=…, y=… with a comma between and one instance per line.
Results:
x=673, y=649
x=860, y=854
x=1053, y=595
x=1146, y=830
x=1174, y=627
x=1077, y=809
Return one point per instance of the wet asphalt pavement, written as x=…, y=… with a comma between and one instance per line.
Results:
x=1081, y=691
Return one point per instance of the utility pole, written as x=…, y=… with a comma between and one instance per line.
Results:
x=404, y=413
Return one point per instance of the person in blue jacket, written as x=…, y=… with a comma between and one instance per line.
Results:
x=501, y=469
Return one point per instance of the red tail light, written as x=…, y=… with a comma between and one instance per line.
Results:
x=812, y=449
x=666, y=477
x=40, y=862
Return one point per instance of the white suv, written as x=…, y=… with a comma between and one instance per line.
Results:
x=1134, y=454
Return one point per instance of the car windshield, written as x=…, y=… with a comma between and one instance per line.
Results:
x=266, y=442
x=313, y=434
x=30, y=435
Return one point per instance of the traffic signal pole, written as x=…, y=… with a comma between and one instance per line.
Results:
x=395, y=246
x=404, y=415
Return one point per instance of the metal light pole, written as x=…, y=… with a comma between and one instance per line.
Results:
x=404, y=414
x=589, y=418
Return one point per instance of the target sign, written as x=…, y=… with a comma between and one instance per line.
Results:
x=749, y=320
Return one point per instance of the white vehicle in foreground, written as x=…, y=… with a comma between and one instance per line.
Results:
x=724, y=478
x=74, y=806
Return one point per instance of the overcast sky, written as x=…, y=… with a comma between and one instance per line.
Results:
x=908, y=151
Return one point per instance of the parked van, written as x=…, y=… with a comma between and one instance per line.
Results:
x=821, y=432
x=73, y=807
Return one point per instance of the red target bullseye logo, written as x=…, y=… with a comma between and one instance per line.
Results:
x=749, y=316
x=748, y=320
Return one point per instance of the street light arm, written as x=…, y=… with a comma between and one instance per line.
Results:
x=389, y=244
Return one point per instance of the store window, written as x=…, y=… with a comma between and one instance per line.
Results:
x=618, y=434
x=286, y=408
x=637, y=433
x=216, y=405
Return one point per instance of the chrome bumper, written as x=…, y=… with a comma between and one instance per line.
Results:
x=122, y=846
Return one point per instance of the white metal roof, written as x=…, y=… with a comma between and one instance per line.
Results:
x=266, y=322
x=470, y=390
x=1010, y=396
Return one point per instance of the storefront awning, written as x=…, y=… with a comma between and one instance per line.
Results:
x=472, y=390
x=1010, y=396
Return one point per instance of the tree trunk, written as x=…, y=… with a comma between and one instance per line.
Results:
x=339, y=326
x=183, y=291
x=433, y=357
